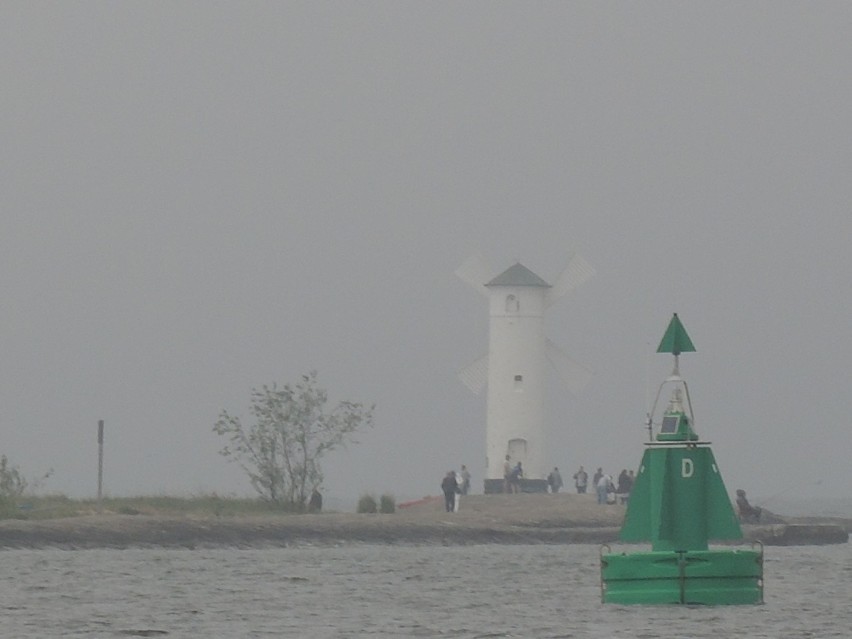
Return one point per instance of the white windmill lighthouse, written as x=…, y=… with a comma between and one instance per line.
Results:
x=515, y=366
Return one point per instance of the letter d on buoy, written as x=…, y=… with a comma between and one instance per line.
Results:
x=686, y=467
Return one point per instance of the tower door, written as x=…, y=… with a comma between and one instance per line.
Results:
x=518, y=450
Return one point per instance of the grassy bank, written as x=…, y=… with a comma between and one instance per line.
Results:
x=59, y=506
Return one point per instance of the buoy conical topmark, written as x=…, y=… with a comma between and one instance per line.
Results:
x=676, y=340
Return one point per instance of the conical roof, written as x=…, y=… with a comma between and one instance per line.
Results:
x=676, y=340
x=518, y=275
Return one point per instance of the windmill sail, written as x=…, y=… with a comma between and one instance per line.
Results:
x=475, y=272
x=577, y=272
x=475, y=375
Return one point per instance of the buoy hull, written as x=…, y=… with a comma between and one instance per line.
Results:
x=702, y=577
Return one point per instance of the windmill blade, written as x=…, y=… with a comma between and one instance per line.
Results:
x=475, y=375
x=577, y=272
x=574, y=375
x=476, y=272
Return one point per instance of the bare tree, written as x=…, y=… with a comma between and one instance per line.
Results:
x=293, y=430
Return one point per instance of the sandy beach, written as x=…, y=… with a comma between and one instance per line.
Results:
x=498, y=519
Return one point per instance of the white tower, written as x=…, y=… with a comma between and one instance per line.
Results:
x=515, y=367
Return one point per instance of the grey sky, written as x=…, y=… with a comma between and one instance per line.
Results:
x=201, y=198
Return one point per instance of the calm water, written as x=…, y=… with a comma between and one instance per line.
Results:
x=390, y=591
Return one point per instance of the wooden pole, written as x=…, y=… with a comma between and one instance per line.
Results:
x=100, y=462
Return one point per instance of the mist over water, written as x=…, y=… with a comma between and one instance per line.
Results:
x=390, y=591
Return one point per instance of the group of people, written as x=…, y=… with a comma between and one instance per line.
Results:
x=607, y=490
x=454, y=485
x=626, y=479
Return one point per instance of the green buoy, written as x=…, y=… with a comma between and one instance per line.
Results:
x=679, y=504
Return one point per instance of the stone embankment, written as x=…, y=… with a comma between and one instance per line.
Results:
x=491, y=519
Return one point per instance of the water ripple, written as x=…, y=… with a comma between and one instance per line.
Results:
x=477, y=592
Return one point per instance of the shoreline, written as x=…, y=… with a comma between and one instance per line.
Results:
x=492, y=519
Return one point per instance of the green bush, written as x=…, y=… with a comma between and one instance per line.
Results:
x=12, y=483
x=387, y=504
x=367, y=504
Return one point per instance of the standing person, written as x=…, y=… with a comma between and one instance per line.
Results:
x=581, y=480
x=507, y=475
x=315, y=504
x=554, y=480
x=450, y=486
x=626, y=488
x=623, y=482
x=602, y=488
x=515, y=478
x=597, y=477
x=458, y=495
x=465, y=475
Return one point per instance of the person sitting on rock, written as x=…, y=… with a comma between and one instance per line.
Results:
x=748, y=513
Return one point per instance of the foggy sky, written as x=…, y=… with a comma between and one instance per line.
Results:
x=202, y=198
